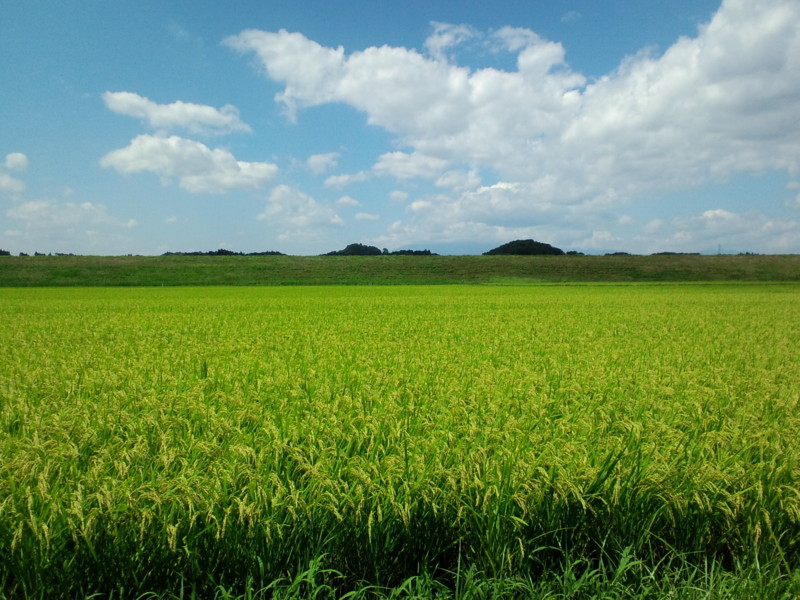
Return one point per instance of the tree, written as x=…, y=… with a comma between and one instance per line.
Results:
x=525, y=247
x=356, y=250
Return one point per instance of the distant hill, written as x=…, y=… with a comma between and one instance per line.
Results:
x=525, y=247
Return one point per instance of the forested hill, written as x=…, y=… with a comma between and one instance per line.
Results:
x=387, y=270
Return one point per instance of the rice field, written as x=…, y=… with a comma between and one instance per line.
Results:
x=541, y=441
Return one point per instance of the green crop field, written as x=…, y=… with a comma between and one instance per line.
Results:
x=538, y=441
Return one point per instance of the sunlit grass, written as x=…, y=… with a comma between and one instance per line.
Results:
x=514, y=441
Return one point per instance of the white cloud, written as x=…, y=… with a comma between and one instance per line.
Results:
x=320, y=163
x=653, y=226
x=16, y=161
x=60, y=225
x=47, y=214
x=515, y=39
x=719, y=228
x=600, y=240
x=710, y=105
x=392, y=85
x=195, y=118
x=399, y=165
x=197, y=168
x=78, y=227
x=366, y=217
x=400, y=234
x=340, y=181
x=347, y=201
x=446, y=36
x=291, y=209
x=10, y=184
x=309, y=69
x=407, y=166
x=398, y=196
x=459, y=181
x=564, y=150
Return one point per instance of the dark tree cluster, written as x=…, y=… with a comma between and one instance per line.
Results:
x=7, y=253
x=364, y=250
x=412, y=253
x=356, y=250
x=525, y=247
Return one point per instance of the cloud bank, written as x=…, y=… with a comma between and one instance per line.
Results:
x=542, y=144
x=60, y=225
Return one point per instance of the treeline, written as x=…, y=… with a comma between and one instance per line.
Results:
x=517, y=247
x=7, y=253
x=364, y=250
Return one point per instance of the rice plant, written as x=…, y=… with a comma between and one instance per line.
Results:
x=535, y=441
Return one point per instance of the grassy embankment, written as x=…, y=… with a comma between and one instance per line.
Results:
x=386, y=270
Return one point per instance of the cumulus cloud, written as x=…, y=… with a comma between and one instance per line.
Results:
x=57, y=226
x=291, y=209
x=445, y=36
x=195, y=118
x=16, y=161
x=366, y=217
x=401, y=165
x=197, y=168
x=345, y=179
x=347, y=201
x=459, y=181
x=11, y=185
x=514, y=39
x=718, y=104
x=320, y=163
x=720, y=228
x=48, y=214
x=710, y=104
x=391, y=85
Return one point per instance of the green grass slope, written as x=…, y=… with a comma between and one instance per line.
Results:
x=386, y=270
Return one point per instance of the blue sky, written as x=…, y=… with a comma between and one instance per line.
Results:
x=454, y=126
